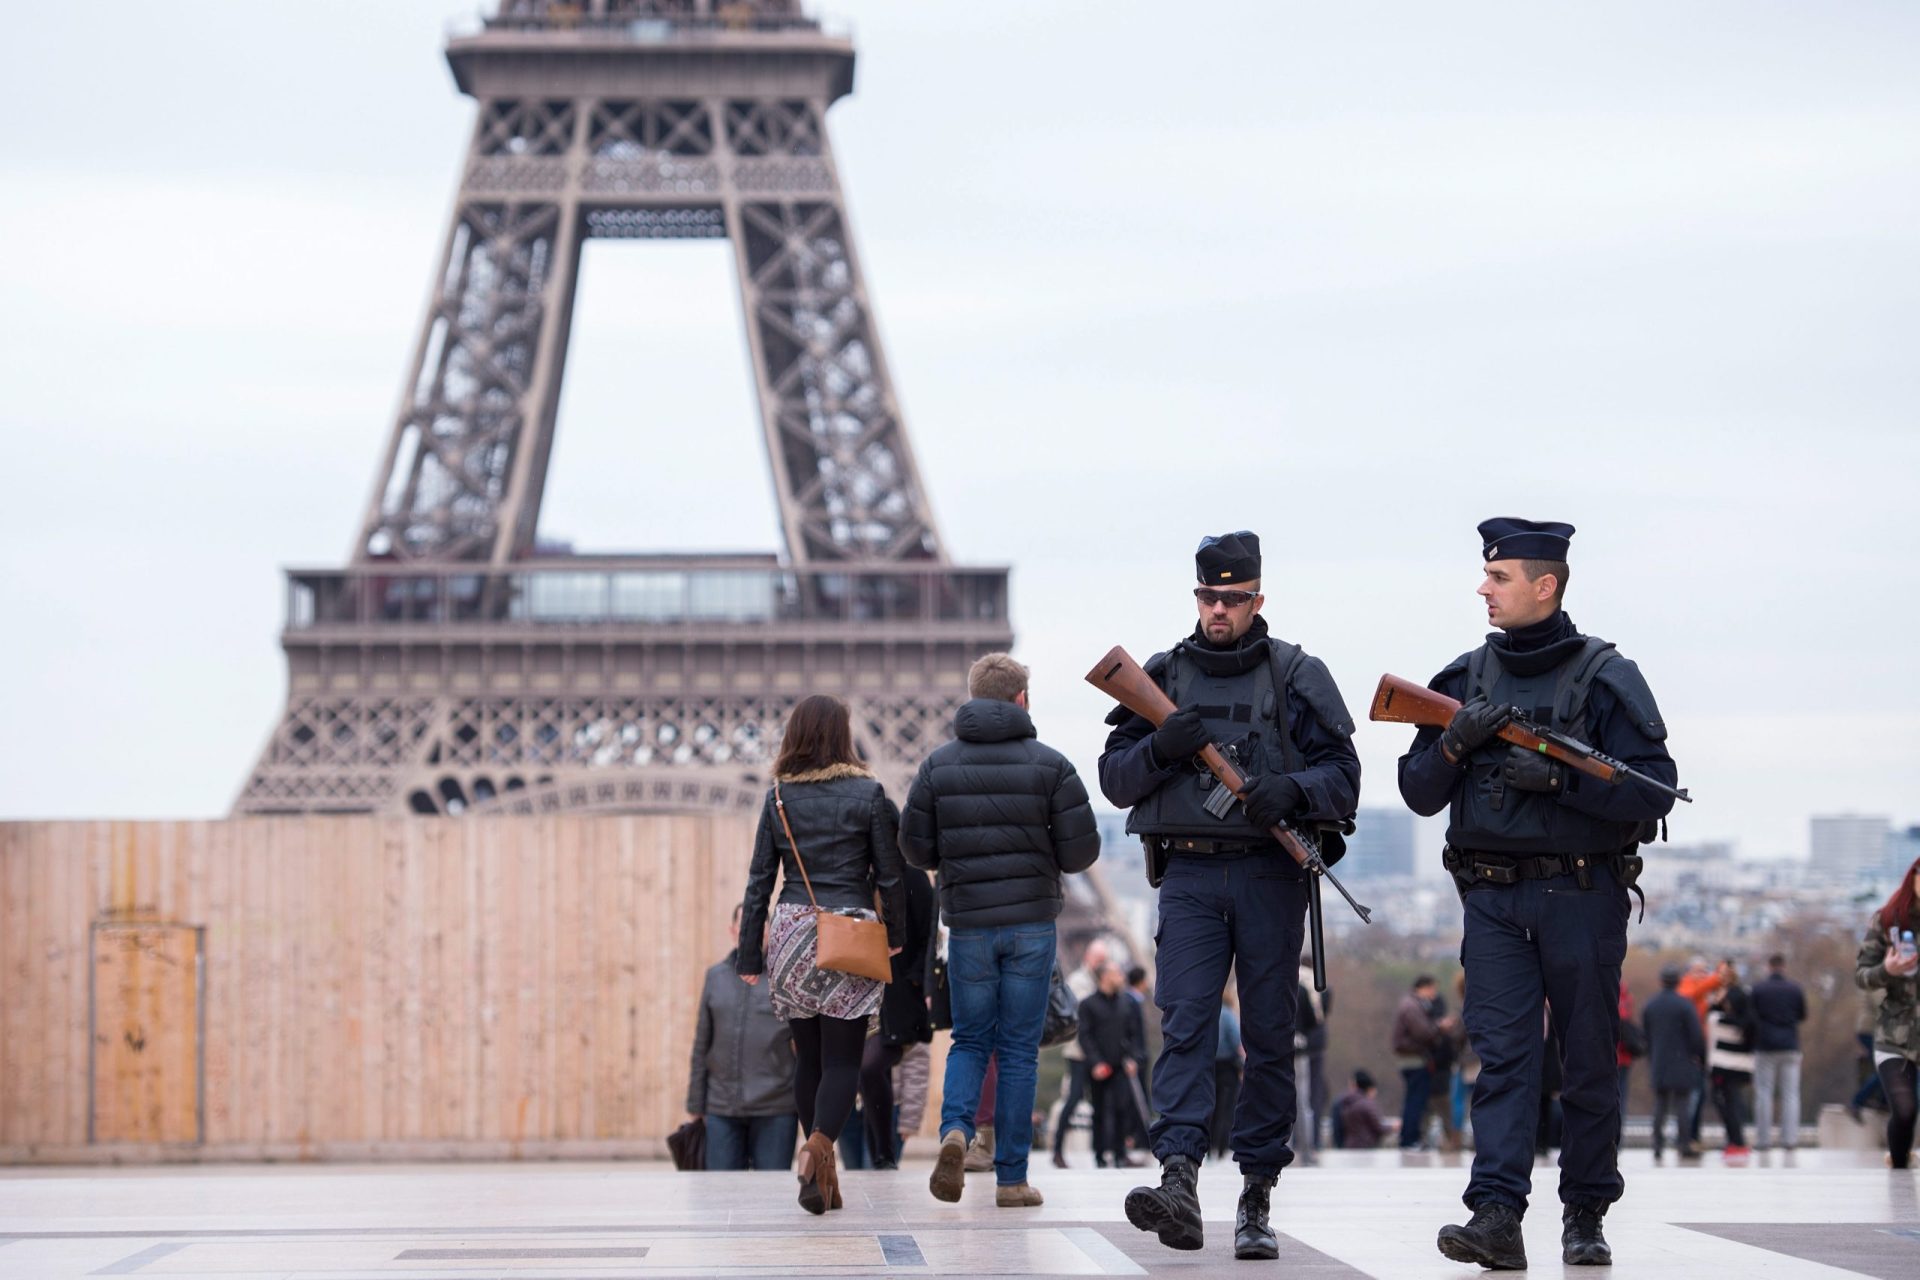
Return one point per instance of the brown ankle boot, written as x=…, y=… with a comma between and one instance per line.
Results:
x=830, y=1178
x=819, y=1188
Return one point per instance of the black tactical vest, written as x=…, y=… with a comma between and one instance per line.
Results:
x=1251, y=716
x=1491, y=817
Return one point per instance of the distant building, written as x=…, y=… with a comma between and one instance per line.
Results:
x=1381, y=846
x=1849, y=847
x=1903, y=849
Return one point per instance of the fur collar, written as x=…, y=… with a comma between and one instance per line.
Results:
x=831, y=773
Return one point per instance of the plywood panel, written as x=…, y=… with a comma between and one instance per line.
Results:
x=146, y=1033
x=509, y=983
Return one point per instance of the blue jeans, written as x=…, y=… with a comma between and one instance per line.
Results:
x=998, y=979
x=758, y=1142
x=1413, y=1115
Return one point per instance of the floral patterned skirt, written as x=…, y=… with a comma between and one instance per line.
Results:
x=801, y=990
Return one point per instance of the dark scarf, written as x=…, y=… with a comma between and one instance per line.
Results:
x=1238, y=658
x=1530, y=650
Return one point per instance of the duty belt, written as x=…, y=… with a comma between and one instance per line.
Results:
x=1506, y=868
x=1195, y=844
x=1472, y=866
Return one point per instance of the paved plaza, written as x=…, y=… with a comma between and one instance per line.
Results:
x=1358, y=1214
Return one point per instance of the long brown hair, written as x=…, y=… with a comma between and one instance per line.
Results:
x=819, y=734
x=1898, y=913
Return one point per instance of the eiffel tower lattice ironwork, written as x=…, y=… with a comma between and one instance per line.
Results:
x=449, y=668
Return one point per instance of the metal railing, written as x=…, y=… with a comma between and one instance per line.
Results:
x=636, y=24
x=642, y=593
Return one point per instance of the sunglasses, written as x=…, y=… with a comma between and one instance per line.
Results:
x=1232, y=599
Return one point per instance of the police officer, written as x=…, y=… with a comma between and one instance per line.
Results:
x=1229, y=895
x=1543, y=857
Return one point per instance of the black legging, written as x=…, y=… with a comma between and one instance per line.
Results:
x=1726, y=1100
x=1897, y=1076
x=826, y=1071
x=876, y=1098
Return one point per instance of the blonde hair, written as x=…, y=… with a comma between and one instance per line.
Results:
x=996, y=676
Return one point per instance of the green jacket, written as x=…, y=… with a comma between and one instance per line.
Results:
x=1897, y=1029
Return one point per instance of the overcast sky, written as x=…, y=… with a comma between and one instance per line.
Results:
x=1352, y=275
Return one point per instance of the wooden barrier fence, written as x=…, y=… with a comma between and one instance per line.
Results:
x=353, y=988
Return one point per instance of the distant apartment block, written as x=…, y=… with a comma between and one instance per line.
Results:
x=1903, y=850
x=1381, y=846
x=1849, y=847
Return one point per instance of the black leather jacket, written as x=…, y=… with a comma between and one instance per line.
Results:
x=849, y=836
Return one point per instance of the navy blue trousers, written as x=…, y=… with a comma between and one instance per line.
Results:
x=1248, y=913
x=1533, y=950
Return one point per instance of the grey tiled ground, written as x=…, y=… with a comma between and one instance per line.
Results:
x=1373, y=1214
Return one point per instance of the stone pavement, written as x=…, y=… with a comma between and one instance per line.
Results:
x=1816, y=1213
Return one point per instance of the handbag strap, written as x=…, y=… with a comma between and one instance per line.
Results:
x=780, y=807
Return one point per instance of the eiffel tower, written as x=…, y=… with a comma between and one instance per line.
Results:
x=453, y=667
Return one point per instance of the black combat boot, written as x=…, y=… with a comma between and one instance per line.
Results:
x=1253, y=1236
x=1581, y=1244
x=1172, y=1209
x=1490, y=1238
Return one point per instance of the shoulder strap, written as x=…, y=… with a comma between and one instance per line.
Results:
x=1577, y=678
x=780, y=806
x=1282, y=657
x=1479, y=682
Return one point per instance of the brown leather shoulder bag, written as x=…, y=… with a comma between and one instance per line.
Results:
x=845, y=943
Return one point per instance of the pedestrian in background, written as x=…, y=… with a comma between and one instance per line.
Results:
x=1730, y=1056
x=1002, y=817
x=903, y=1021
x=828, y=831
x=1416, y=1037
x=1779, y=1007
x=1888, y=961
x=1227, y=1058
x=1075, y=1086
x=1108, y=1026
x=741, y=1075
x=1699, y=985
x=1676, y=1053
x=1146, y=1032
x=1357, y=1122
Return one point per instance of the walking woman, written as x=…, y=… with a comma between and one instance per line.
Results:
x=1888, y=962
x=848, y=837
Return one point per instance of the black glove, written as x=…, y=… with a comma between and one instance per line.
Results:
x=1472, y=727
x=1272, y=798
x=1180, y=737
x=1531, y=771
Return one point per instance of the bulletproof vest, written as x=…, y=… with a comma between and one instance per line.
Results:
x=1489, y=816
x=1248, y=715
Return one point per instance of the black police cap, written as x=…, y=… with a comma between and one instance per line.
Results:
x=1510, y=538
x=1228, y=559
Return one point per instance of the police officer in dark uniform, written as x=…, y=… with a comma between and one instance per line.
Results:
x=1229, y=895
x=1544, y=857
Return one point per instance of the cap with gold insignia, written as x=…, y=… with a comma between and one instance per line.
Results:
x=1511, y=538
x=1228, y=559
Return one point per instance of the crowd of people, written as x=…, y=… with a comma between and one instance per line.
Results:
x=1539, y=1040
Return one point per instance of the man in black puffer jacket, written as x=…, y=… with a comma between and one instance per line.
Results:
x=1000, y=815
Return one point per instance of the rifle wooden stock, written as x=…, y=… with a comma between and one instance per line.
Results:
x=1401, y=701
x=1118, y=676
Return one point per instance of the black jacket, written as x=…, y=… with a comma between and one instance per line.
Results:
x=1108, y=1025
x=1676, y=1044
x=1779, y=1007
x=1000, y=815
x=903, y=1007
x=849, y=837
x=742, y=1052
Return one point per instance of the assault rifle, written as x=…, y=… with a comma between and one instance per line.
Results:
x=1121, y=678
x=1399, y=701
